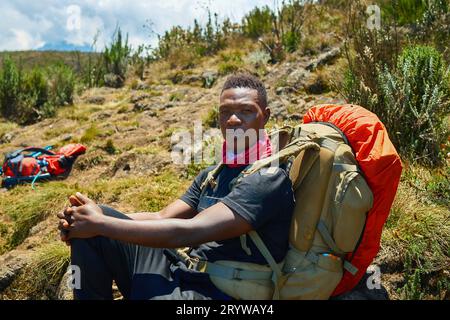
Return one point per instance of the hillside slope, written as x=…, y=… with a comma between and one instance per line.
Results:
x=128, y=164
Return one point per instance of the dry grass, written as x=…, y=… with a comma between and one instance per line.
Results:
x=416, y=238
x=40, y=279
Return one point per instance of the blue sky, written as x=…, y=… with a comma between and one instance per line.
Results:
x=29, y=25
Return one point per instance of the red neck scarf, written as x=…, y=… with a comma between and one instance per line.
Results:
x=261, y=149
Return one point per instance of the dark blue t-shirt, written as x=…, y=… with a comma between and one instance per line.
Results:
x=265, y=199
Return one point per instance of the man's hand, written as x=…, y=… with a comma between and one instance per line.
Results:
x=81, y=220
x=65, y=219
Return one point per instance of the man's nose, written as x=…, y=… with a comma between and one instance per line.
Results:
x=234, y=119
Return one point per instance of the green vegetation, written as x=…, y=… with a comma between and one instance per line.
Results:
x=25, y=214
x=211, y=119
x=403, y=77
x=412, y=102
x=41, y=278
x=279, y=30
x=110, y=148
x=202, y=41
x=257, y=22
x=116, y=58
x=90, y=134
x=407, y=86
x=405, y=12
x=417, y=234
x=26, y=97
x=231, y=62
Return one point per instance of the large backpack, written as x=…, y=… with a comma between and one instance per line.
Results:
x=345, y=173
x=32, y=164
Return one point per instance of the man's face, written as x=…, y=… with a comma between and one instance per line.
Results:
x=239, y=109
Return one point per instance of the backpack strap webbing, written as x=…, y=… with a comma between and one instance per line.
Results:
x=277, y=274
x=244, y=245
x=230, y=273
x=211, y=177
x=37, y=151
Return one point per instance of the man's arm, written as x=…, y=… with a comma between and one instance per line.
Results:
x=177, y=209
x=217, y=222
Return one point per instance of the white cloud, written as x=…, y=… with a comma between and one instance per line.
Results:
x=28, y=24
x=24, y=40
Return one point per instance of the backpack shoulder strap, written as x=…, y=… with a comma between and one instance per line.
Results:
x=211, y=177
x=36, y=151
x=291, y=150
x=277, y=274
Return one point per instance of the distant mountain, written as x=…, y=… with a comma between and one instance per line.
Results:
x=64, y=46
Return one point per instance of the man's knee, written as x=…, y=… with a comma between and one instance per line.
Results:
x=80, y=245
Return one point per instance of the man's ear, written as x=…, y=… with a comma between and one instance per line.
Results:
x=266, y=113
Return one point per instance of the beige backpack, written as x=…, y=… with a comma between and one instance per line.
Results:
x=332, y=200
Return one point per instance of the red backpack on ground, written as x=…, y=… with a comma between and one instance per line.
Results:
x=32, y=164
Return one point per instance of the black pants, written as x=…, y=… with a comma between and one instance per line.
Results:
x=140, y=272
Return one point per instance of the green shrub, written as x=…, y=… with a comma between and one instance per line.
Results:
x=183, y=47
x=367, y=50
x=291, y=18
x=287, y=29
x=139, y=61
x=62, y=85
x=90, y=134
x=257, y=22
x=291, y=41
x=26, y=97
x=231, y=62
x=35, y=85
x=414, y=103
x=412, y=100
x=425, y=21
x=10, y=87
x=225, y=68
x=116, y=57
x=405, y=11
x=408, y=89
x=92, y=71
x=258, y=60
x=435, y=26
x=110, y=148
x=211, y=119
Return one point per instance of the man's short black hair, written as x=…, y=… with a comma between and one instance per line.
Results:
x=245, y=80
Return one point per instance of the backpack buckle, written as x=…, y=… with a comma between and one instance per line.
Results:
x=237, y=274
x=213, y=183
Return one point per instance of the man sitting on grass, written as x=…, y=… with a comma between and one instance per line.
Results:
x=135, y=249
